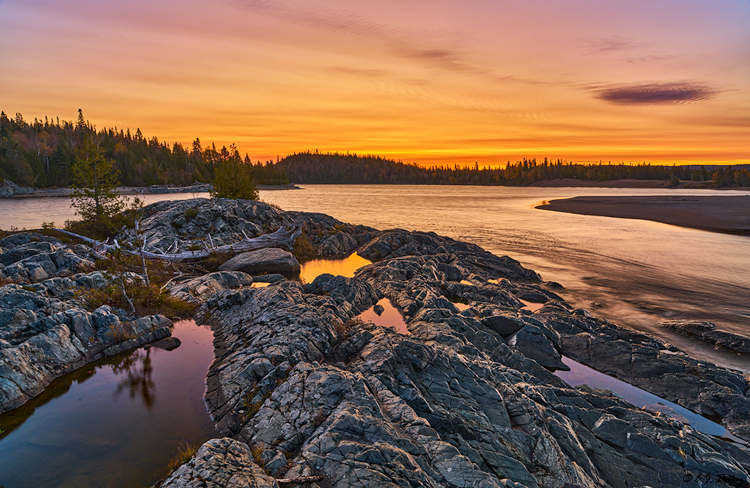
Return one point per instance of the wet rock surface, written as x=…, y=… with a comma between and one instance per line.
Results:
x=45, y=331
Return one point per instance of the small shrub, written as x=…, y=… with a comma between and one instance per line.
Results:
x=257, y=452
x=342, y=330
x=185, y=451
x=190, y=213
x=120, y=332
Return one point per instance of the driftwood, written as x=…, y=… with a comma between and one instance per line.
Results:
x=283, y=237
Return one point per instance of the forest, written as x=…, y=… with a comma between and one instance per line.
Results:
x=314, y=167
x=41, y=153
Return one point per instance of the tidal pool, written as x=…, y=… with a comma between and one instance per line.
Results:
x=390, y=317
x=113, y=423
x=346, y=267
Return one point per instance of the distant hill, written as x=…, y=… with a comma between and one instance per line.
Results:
x=337, y=168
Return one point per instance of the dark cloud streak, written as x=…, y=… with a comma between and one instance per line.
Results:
x=656, y=94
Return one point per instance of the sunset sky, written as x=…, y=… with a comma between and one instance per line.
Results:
x=430, y=81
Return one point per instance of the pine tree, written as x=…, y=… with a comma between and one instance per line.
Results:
x=234, y=178
x=94, y=196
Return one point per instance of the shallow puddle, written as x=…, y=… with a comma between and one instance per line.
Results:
x=390, y=317
x=531, y=305
x=113, y=423
x=338, y=267
x=580, y=374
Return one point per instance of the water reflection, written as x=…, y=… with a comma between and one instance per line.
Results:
x=338, y=267
x=389, y=316
x=533, y=306
x=84, y=430
x=138, y=381
x=580, y=375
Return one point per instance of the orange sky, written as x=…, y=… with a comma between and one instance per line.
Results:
x=430, y=81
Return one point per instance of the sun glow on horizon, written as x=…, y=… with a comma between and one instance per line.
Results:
x=435, y=83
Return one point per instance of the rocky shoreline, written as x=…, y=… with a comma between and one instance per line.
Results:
x=45, y=330
x=8, y=189
x=301, y=388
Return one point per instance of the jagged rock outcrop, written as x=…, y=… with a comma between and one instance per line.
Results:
x=45, y=331
x=464, y=400
x=655, y=366
x=199, y=288
x=29, y=257
x=193, y=224
x=220, y=463
x=707, y=332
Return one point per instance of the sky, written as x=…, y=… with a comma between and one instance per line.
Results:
x=426, y=81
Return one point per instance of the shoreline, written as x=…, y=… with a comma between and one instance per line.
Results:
x=723, y=214
x=143, y=190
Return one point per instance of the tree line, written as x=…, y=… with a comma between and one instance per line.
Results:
x=338, y=168
x=42, y=154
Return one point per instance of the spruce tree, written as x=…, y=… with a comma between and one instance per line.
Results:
x=94, y=196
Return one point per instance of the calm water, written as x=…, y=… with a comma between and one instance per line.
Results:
x=580, y=374
x=113, y=423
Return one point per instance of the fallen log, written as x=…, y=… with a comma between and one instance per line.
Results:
x=283, y=237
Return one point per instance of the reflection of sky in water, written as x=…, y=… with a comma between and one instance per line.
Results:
x=390, y=317
x=112, y=423
x=580, y=374
x=531, y=305
x=337, y=267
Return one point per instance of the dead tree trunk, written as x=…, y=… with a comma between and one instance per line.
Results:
x=283, y=237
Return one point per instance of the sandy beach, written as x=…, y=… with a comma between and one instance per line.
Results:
x=728, y=214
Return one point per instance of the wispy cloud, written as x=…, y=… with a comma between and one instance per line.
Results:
x=434, y=48
x=656, y=93
x=605, y=45
x=647, y=58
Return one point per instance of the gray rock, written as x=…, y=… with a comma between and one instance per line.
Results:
x=9, y=189
x=451, y=404
x=707, y=332
x=269, y=260
x=504, y=325
x=199, y=289
x=220, y=463
x=44, y=329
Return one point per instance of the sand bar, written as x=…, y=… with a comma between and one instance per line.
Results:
x=728, y=214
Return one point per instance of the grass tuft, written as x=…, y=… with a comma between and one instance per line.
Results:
x=185, y=451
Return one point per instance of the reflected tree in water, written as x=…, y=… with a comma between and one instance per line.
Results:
x=137, y=381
